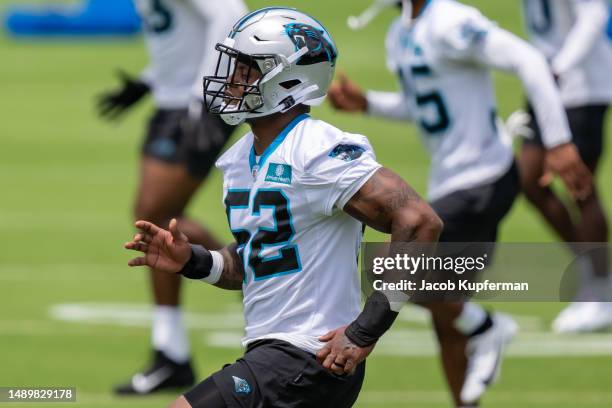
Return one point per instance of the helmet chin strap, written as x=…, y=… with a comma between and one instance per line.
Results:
x=300, y=97
x=235, y=119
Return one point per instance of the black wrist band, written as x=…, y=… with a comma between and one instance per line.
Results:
x=375, y=319
x=199, y=265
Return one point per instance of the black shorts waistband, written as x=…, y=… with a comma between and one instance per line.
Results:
x=263, y=342
x=276, y=342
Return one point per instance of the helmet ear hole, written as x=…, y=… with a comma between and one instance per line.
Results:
x=290, y=84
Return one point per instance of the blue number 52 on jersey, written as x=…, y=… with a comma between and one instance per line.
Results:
x=278, y=236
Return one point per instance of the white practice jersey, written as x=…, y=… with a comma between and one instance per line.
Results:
x=572, y=35
x=453, y=101
x=299, y=249
x=181, y=37
x=444, y=63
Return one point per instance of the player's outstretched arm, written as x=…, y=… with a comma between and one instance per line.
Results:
x=590, y=24
x=113, y=104
x=503, y=50
x=170, y=251
x=345, y=95
x=388, y=204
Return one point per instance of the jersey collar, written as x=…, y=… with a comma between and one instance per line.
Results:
x=256, y=165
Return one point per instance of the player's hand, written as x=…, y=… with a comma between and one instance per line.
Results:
x=518, y=125
x=340, y=355
x=346, y=96
x=111, y=105
x=166, y=251
x=565, y=161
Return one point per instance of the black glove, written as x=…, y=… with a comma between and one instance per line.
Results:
x=113, y=104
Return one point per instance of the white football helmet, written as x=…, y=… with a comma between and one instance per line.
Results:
x=292, y=55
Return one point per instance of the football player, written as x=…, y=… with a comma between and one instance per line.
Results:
x=442, y=52
x=178, y=152
x=572, y=36
x=297, y=191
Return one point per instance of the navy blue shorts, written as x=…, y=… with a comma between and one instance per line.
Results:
x=474, y=215
x=175, y=137
x=274, y=373
x=587, y=126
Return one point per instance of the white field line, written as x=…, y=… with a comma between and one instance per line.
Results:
x=139, y=315
x=405, y=342
x=420, y=315
x=422, y=343
x=51, y=328
x=225, y=330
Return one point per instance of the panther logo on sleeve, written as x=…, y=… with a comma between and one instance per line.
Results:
x=346, y=152
x=241, y=386
x=321, y=49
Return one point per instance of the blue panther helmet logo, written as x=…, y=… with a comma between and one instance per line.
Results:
x=241, y=386
x=320, y=48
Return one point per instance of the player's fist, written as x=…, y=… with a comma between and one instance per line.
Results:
x=166, y=251
x=345, y=95
x=565, y=161
x=113, y=104
x=340, y=355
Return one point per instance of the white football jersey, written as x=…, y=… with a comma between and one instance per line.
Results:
x=452, y=98
x=299, y=249
x=563, y=31
x=181, y=37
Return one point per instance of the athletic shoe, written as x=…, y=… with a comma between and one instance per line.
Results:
x=581, y=317
x=484, y=351
x=162, y=374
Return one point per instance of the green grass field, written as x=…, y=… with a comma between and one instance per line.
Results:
x=73, y=314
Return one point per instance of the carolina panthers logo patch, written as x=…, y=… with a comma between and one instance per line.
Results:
x=347, y=152
x=304, y=35
x=241, y=386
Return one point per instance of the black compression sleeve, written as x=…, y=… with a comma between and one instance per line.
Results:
x=375, y=319
x=199, y=265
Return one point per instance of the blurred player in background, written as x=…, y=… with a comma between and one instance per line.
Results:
x=442, y=52
x=180, y=148
x=297, y=193
x=610, y=21
x=572, y=36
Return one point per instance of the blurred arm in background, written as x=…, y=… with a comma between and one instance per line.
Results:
x=346, y=95
x=503, y=50
x=113, y=104
x=591, y=20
